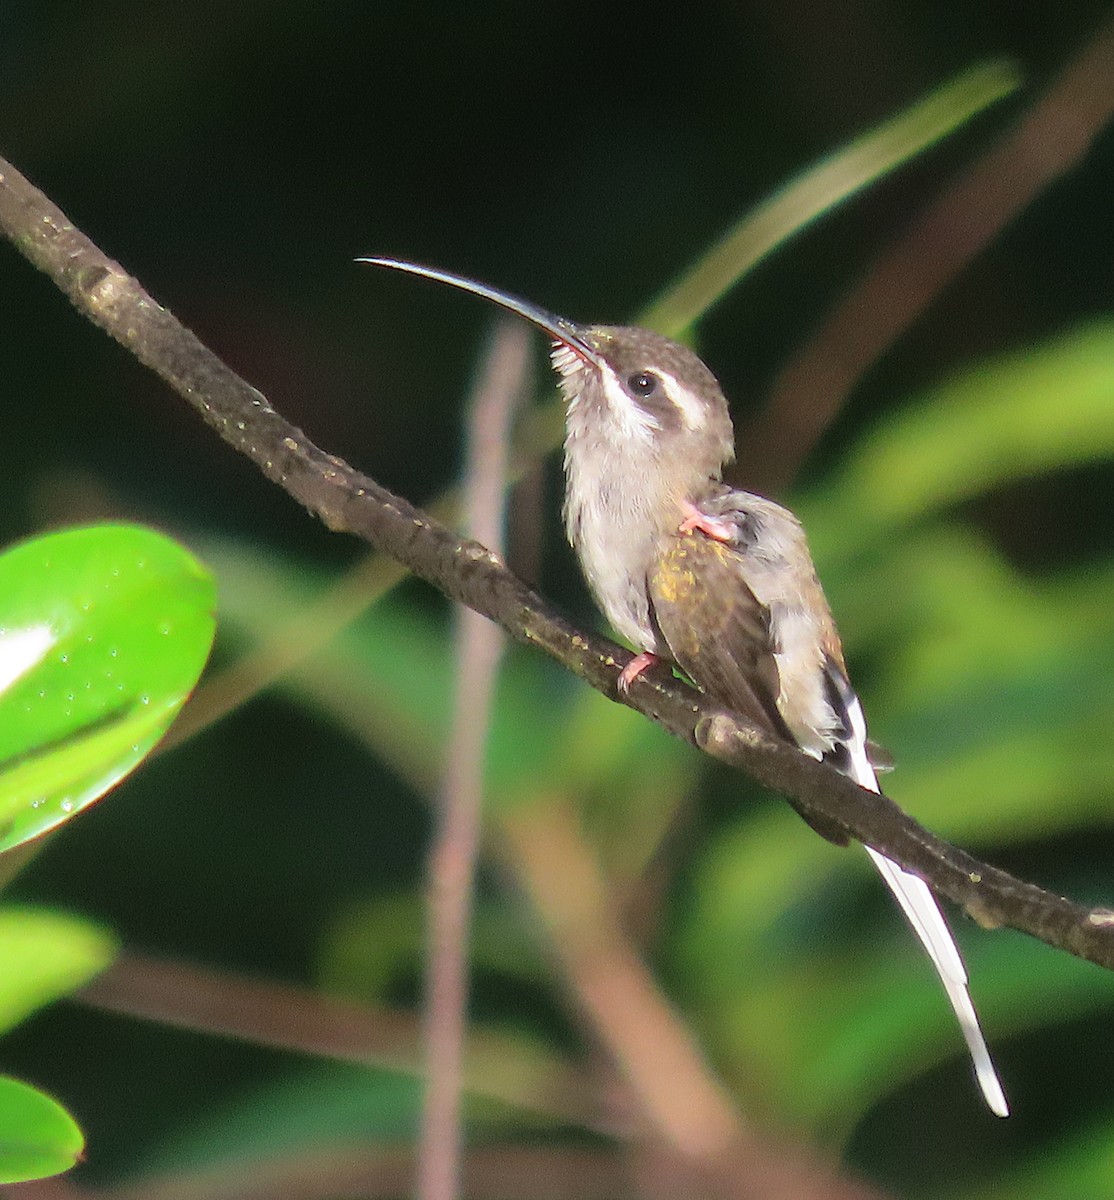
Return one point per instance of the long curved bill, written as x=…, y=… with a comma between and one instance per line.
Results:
x=558, y=328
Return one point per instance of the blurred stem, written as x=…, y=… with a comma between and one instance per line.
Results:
x=56, y=1188
x=680, y=1098
x=452, y=859
x=824, y=186
x=1047, y=141
x=295, y=1019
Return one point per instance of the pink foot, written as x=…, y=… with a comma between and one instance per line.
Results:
x=638, y=664
x=715, y=527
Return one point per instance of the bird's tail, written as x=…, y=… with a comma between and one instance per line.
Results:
x=919, y=905
x=923, y=913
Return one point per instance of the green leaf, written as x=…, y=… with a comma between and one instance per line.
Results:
x=824, y=187
x=44, y=955
x=103, y=633
x=1038, y=409
x=37, y=1136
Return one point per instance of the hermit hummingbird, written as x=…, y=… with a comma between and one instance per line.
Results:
x=716, y=580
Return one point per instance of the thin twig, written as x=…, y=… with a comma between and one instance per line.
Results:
x=265, y=1013
x=1047, y=141
x=346, y=500
x=452, y=857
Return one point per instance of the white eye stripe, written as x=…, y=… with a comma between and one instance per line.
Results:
x=683, y=401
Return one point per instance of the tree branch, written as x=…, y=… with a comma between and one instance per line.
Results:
x=348, y=501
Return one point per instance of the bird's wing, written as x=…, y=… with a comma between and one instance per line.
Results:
x=716, y=630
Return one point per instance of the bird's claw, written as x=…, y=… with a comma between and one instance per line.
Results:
x=637, y=665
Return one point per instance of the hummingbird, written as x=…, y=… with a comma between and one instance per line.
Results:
x=712, y=579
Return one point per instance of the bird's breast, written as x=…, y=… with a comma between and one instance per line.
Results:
x=615, y=524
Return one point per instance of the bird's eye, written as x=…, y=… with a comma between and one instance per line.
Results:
x=643, y=383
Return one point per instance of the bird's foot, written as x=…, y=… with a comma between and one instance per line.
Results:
x=637, y=665
x=718, y=528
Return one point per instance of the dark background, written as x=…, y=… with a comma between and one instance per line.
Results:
x=237, y=157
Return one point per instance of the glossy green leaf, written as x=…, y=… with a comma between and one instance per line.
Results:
x=103, y=633
x=37, y=1136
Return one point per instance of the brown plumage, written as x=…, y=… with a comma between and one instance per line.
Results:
x=715, y=629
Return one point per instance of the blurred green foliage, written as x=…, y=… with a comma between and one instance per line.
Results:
x=46, y=955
